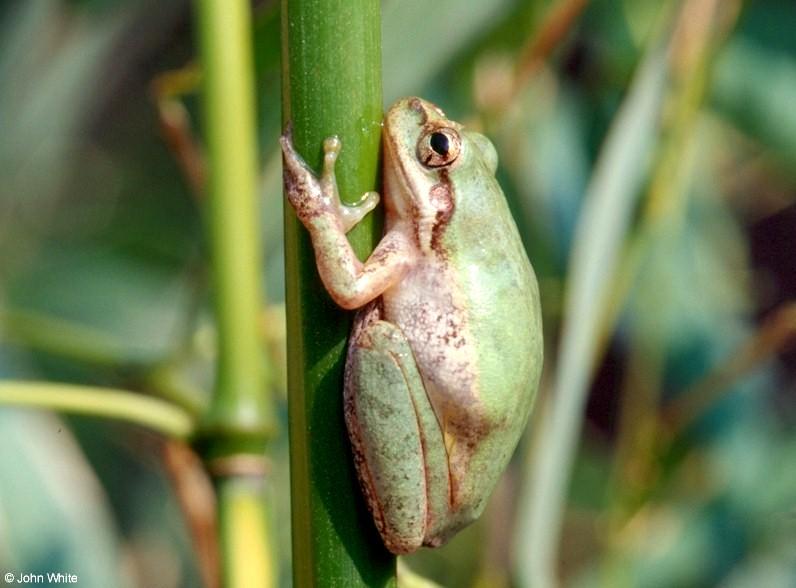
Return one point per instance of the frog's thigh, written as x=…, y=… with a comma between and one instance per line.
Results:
x=390, y=421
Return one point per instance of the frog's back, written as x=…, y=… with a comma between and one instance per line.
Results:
x=501, y=293
x=503, y=318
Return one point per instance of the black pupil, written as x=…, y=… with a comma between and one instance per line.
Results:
x=439, y=143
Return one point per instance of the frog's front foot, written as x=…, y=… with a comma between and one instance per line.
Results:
x=303, y=189
x=314, y=197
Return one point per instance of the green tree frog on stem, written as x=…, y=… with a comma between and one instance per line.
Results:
x=445, y=354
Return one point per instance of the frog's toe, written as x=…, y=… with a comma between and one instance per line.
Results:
x=331, y=147
x=350, y=216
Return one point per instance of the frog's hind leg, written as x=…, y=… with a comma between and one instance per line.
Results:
x=398, y=447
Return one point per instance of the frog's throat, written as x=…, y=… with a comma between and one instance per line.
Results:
x=399, y=200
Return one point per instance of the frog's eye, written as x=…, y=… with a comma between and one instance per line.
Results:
x=439, y=147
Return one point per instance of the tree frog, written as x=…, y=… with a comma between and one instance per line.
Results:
x=445, y=353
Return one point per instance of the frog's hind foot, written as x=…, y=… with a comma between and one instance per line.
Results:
x=398, y=446
x=384, y=432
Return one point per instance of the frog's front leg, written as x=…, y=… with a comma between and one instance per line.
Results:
x=317, y=203
x=398, y=446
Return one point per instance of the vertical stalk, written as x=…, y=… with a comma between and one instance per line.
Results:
x=246, y=550
x=237, y=426
x=331, y=86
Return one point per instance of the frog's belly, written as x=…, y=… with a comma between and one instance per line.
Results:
x=445, y=330
x=427, y=307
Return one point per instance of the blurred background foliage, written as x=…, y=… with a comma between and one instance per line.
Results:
x=648, y=152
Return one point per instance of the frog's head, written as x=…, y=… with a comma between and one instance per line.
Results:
x=424, y=154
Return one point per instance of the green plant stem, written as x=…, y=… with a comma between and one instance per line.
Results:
x=131, y=407
x=331, y=86
x=239, y=422
x=239, y=408
x=245, y=542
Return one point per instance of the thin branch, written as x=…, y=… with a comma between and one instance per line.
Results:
x=557, y=23
x=151, y=413
x=777, y=332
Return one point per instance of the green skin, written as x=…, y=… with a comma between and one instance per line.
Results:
x=446, y=353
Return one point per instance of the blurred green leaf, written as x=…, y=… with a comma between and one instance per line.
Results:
x=55, y=515
x=420, y=37
x=43, y=102
x=754, y=88
x=604, y=220
x=116, y=310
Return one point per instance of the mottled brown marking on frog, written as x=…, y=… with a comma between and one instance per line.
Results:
x=416, y=105
x=441, y=197
x=306, y=209
x=379, y=255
